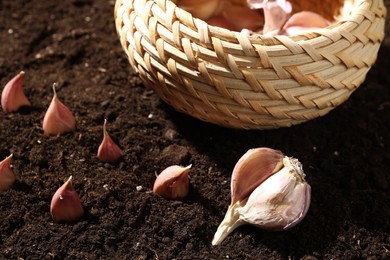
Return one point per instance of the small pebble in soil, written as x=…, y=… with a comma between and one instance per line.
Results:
x=171, y=134
x=166, y=240
x=189, y=246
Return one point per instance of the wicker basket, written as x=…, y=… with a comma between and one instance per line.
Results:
x=255, y=82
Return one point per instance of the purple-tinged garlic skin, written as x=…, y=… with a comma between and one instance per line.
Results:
x=7, y=176
x=280, y=201
x=66, y=205
x=13, y=97
x=108, y=150
x=58, y=118
x=172, y=183
x=254, y=167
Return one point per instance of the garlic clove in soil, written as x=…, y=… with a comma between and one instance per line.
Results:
x=13, y=97
x=254, y=167
x=7, y=176
x=58, y=118
x=108, y=150
x=278, y=203
x=172, y=183
x=65, y=204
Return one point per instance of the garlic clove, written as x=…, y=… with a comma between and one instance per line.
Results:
x=278, y=203
x=253, y=168
x=202, y=9
x=220, y=21
x=108, y=150
x=7, y=176
x=172, y=182
x=65, y=204
x=13, y=97
x=242, y=17
x=58, y=118
x=305, y=19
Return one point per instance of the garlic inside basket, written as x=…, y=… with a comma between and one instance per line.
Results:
x=267, y=17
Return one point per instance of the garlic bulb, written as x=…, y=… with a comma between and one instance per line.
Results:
x=277, y=203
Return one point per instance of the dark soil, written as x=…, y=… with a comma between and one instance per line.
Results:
x=73, y=42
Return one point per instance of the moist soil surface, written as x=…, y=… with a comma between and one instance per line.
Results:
x=345, y=155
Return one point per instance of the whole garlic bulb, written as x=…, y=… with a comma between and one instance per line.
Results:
x=279, y=201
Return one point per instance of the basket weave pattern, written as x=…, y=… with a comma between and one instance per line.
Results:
x=255, y=82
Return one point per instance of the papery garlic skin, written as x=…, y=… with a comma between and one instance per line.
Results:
x=108, y=150
x=172, y=183
x=66, y=205
x=12, y=96
x=58, y=118
x=7, y=176
x=278, y=203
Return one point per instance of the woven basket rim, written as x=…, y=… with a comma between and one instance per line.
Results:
x=256, y=82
